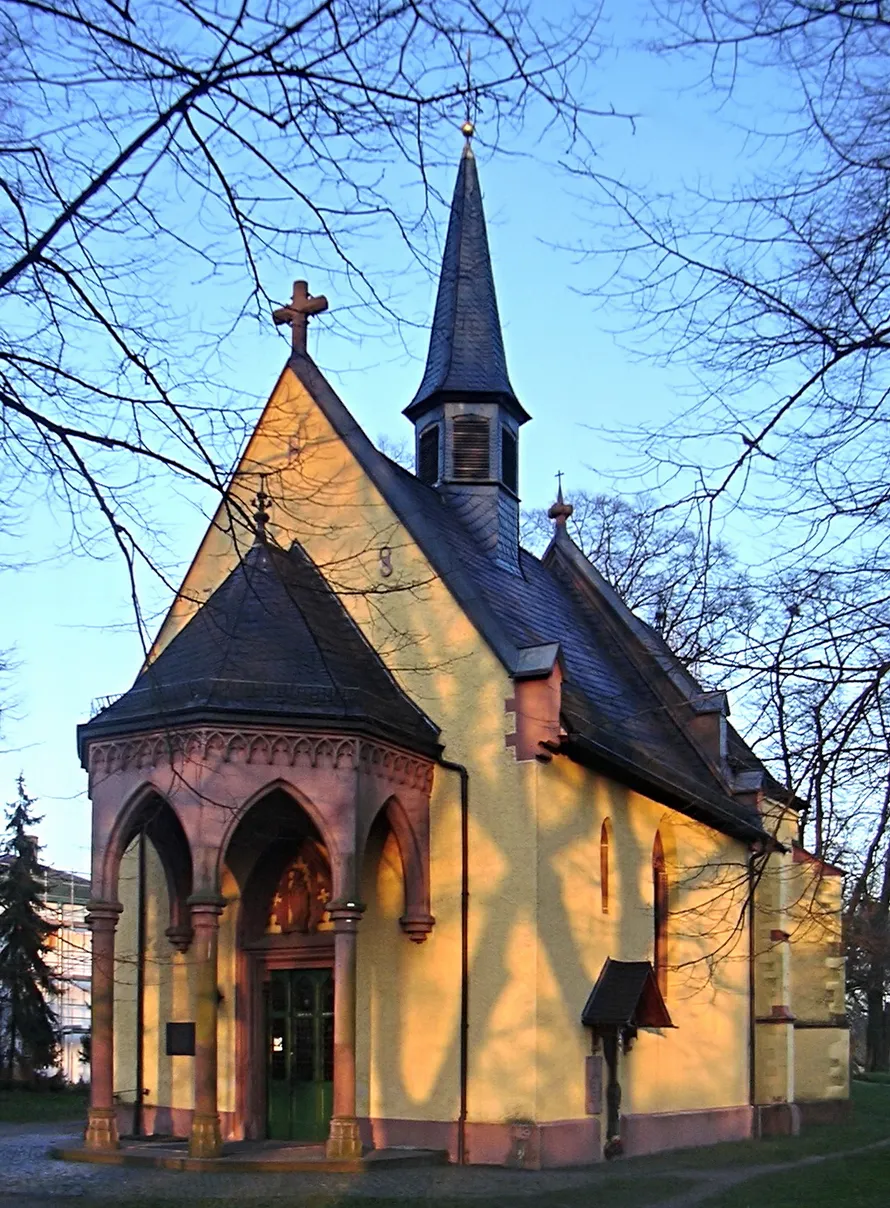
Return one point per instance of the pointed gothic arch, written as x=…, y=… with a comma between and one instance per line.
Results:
x=411, y=833
x=148, y=811
x=259, y=800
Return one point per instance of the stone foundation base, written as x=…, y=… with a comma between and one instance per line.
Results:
x=528, y=1146
x=520, y=1144
x=655, y=1131
x=776, y=1120
x=163, y=1121
x=101, y=1130
x=824, y=1111
x=344, y=1141
x=205, y=1140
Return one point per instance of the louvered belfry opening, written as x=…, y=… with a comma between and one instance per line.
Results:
x=466, y=392
x=471, y=454
x=428, y=456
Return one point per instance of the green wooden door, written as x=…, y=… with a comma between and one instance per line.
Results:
x=300, y=1049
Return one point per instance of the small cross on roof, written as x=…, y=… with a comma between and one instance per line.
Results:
x=297, y=313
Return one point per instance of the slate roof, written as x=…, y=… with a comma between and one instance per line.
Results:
x=626, y=994
x=273, y=641
x=466, y=353
x=616, y=718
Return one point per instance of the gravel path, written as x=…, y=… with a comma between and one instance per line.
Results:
x=29, y=1177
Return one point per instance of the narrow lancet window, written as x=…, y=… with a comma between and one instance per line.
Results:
x=660, y=905
x=605, y=857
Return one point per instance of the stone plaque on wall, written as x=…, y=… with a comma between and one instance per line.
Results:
x=181, y=1039
x=594, y=1085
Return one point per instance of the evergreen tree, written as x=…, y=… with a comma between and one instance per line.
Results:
x=28, y=1026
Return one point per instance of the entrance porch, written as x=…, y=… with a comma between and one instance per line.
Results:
x=259, y=839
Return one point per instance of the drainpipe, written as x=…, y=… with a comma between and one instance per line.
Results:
x=140, y=988
x=464, y=949
x=752, y=1026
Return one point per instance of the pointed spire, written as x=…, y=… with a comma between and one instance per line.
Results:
x=560, y=511
x=466, y=353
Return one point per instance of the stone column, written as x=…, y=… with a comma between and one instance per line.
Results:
x=344, y=1141
x=205, y=1140
x=101, y=1131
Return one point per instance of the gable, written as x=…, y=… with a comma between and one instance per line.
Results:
x=324, y=497
x=420, y=588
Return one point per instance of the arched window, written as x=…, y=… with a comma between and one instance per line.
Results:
x=605, y=857
x=660, y=906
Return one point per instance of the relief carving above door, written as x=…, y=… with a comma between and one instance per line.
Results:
x=299, y=904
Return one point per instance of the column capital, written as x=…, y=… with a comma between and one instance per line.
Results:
x=206, y=903
x=102, y=915
x=417, y=925
x=346, y=914
x=180, y=936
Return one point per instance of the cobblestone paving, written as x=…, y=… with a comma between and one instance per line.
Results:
x=29, y=1177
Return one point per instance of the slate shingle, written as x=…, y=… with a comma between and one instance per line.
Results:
x=613, y=705
x=273, y=641
x=626, y=994
x=466, y=353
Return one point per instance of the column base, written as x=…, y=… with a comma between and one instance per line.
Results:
x=205, y=1140
x=344, y=1140
x=101, y=1130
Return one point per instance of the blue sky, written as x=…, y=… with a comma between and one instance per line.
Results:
x=68, y=619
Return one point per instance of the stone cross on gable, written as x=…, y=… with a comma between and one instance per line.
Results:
x=297, y=313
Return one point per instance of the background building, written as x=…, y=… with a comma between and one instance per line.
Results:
x=66, y=896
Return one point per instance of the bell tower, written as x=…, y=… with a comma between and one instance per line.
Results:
x=466, y=416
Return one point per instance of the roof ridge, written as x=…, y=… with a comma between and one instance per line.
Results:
x=653, y=684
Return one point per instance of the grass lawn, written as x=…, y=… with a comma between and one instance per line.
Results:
x=28, y=1107
x=860, y=1181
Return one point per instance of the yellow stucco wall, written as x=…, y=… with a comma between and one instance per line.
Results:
x=538, y=937
x=821, y=1054
x=821, y=1064
x=125, y=950
x=323, y=498
x=703, y=1062
x=168, y=994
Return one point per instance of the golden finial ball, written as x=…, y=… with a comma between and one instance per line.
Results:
x=468, y=129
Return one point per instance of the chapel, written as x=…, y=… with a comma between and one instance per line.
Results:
x=407, y=837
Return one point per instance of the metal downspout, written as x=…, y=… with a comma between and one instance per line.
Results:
x=752, y=1027
x=140, y=990
x=449, y=766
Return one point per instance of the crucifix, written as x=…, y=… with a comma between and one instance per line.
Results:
x=297, y=313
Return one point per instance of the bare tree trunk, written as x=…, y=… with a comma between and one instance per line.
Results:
x=877, y=1051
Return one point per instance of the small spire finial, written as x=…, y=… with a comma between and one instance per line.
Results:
x=261, y=516
x=468, y=127
x=560, y=511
